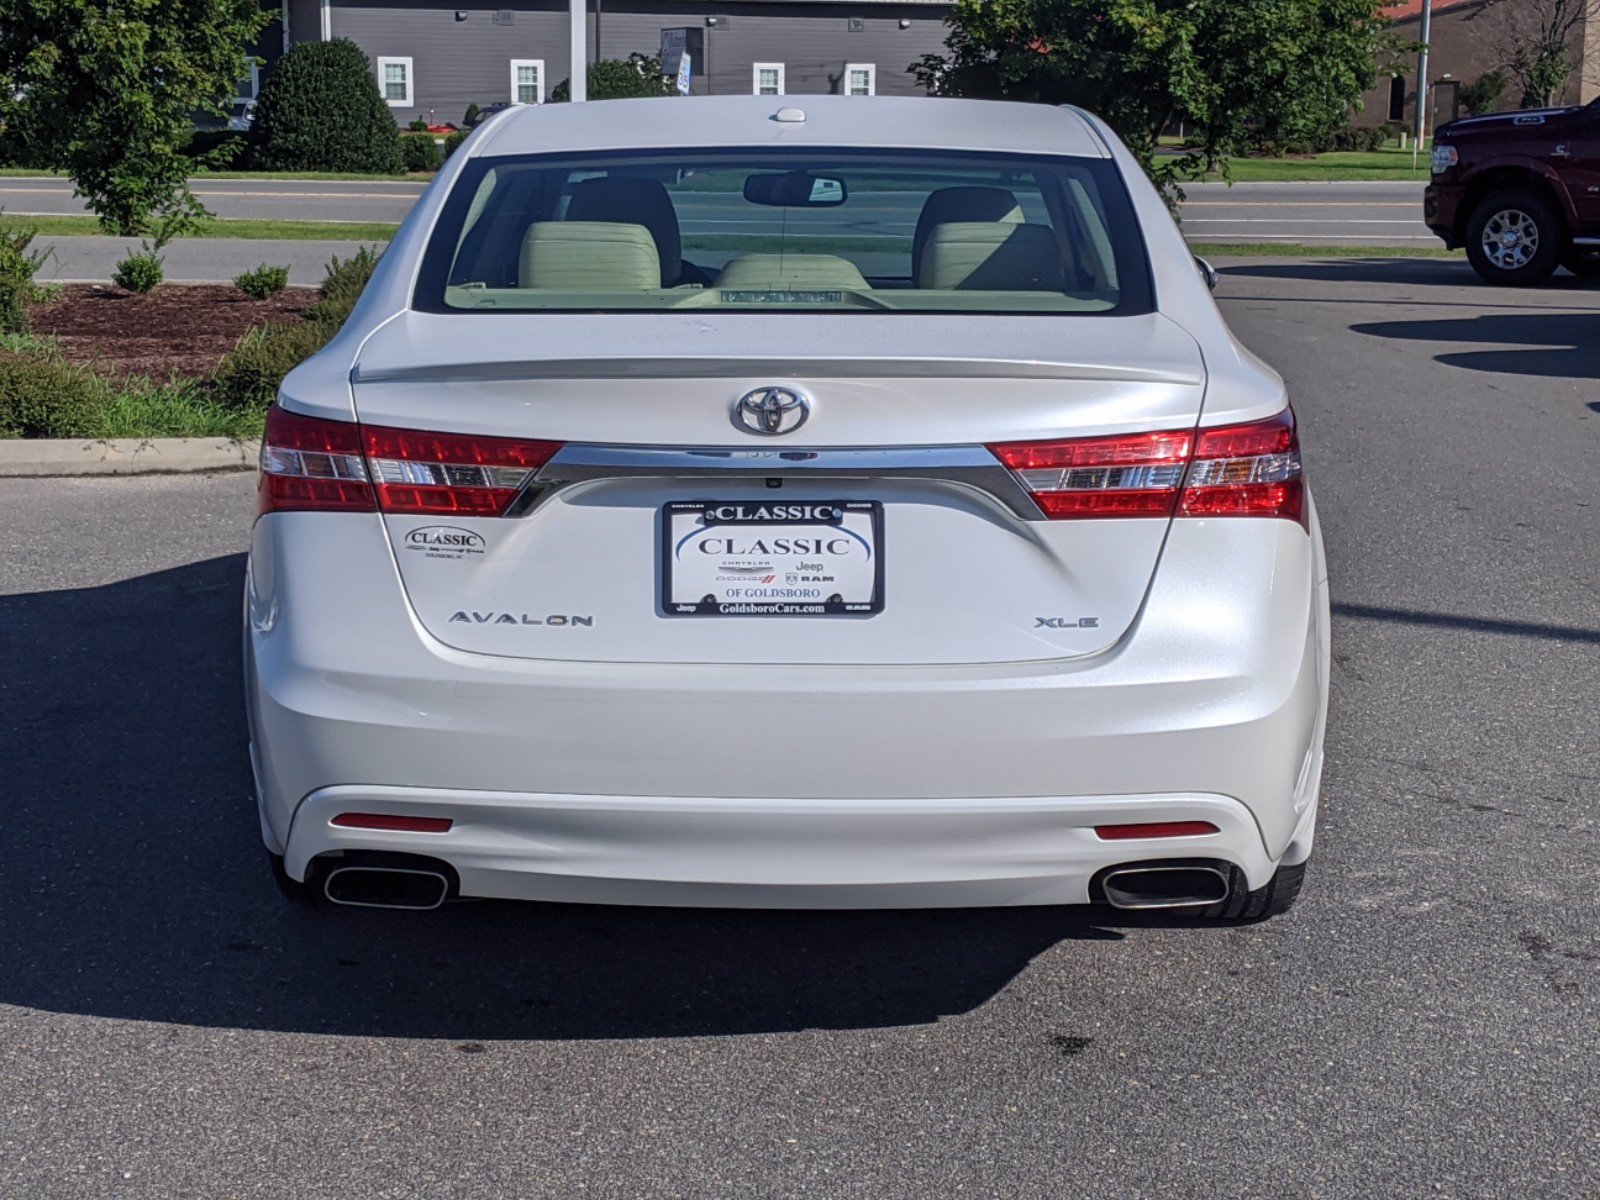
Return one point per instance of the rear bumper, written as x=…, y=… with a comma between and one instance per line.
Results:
x=775, y=853
x=797, y=785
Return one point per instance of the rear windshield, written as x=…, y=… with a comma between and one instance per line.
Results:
x=811, y=230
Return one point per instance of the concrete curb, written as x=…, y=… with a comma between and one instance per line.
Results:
x=20, y=457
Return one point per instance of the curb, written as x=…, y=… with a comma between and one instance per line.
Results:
x=32, y=457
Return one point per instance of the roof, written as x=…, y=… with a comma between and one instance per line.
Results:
x=1404, y=10
x=857, y=121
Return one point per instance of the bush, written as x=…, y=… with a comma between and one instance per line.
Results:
x=422, y=152
x=18, y=265
x=621, y=79
x=418, y=125
x=452, y=143
x=1483, y=94
x=473, y=115
x=247, y=381
x=264, y=281
x=44, y=396
x=218, y=149
x=320, y=110
x=139, y=272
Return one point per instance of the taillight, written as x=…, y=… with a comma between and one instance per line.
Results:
x=1233, y=471
x=336, y=466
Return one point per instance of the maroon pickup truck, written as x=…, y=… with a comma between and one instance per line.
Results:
x=1521, y=191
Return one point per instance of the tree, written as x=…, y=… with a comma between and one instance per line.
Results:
x=108, y=92
x=1537, y=42
x=1235, y=72
x=320, y=110
x=1483, y=94
x=620, y=79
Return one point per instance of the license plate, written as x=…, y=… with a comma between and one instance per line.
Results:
x=749, y=558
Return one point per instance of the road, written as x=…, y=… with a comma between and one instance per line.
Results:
x=1425, y=1022
x=1387, y=214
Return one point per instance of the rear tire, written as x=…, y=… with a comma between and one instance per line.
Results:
x=1583, y=263
x=1276, y=896
x=291, y=888
x=1514, y=239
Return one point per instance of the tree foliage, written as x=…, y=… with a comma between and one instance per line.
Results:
x=320, y=110
x=108, y=92
x=1234, y=72
x=621, y=79
x=1537, y=42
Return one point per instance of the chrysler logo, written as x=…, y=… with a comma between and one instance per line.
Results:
x=770, y=411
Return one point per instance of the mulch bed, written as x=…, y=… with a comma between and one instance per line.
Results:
x=178, y=327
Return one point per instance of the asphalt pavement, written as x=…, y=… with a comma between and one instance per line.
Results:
x=1425, y=1023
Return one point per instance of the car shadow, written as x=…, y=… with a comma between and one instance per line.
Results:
x=1439, y=272
x=137, y=886
x=1549, y=343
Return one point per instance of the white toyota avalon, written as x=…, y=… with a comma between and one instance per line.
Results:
x=810, y=502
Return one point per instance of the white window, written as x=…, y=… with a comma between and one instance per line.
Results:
x=527, y=81
x=766, y=79
x=249, y=86
x=860, y=79
x=394, y=81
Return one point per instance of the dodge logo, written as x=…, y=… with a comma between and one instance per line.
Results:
x=770, y=411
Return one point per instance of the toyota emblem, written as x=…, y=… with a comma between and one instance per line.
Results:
x=771, y=411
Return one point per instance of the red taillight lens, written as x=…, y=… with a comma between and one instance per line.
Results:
x=337, y=466
x=416, y=471
x=1154, y=829
x=1246, y=471
x=1234, y=471
x=311, y=464
x=389, y=822
x=1132, y=475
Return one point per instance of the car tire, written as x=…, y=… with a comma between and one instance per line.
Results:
x=1274, y=897
x=1514, y=239
x=1583, y=263
x=289, y=887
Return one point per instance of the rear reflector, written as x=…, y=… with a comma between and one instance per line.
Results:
x=336, y=466
x=1234, y=471
x=394, y=824
x=1154, y=829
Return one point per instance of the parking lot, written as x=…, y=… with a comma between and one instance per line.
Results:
x=1426, y=1022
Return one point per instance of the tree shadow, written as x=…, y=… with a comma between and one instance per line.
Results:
x=1550, y=344
x=1426, y=272
x=138, y=888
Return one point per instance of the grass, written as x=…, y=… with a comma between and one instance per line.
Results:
x=201, y=173
x=1391, y=164
x=341, y=231
x=1294, y=250
x=180, y=408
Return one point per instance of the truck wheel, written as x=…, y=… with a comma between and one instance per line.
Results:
x=1584, y=264
x=1514, y=239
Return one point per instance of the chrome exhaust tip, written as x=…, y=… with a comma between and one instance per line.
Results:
x=1157, y=887
x=414, y=888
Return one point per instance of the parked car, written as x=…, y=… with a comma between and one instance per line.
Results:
x=1521, y=191
x=832, y=502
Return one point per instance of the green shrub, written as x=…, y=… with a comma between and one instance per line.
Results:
x=264, y=281
x=218, y=149
x=320, y=110
x=44, y=396
x=247, y=381
x=421, y=152
x=621, y=79
x=18, y=266
x=1483, y=94
x=139, y=272
x=473, y=116
x=453, y=142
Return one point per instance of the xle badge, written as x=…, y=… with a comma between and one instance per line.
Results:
x=1066, y=623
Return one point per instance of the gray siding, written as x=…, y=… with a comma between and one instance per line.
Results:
x=461, y=62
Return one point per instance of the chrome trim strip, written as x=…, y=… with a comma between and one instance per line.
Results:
x=1586, y=241
x=973, y=466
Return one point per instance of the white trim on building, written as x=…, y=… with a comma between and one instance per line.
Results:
x=766, y=79
x=860, y=79
x=396, y=86
x=520, y=69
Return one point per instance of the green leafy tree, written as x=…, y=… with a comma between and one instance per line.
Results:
x=320, y=110
x=1236, y=73
x=107, y=92
x=621, y=79
x=1483, y=94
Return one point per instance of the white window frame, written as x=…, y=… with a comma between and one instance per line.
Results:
x=755, y=77
x=255, y=85
x=872, y=77
x=526, y=62
x=411, y=82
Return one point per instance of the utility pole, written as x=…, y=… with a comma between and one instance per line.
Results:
x=577, y=21
x=1420, y=126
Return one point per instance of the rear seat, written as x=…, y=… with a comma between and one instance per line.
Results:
x=763, y=272
x=592, y=256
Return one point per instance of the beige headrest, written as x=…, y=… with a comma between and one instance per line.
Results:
x=592, y=256
x=634, y=200
x=966, y=203
x=988, y=256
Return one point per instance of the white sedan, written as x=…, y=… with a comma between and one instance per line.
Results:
x=802, y=502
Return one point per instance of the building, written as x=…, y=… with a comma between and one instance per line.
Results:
x=433, y=59
x=1465, y=43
